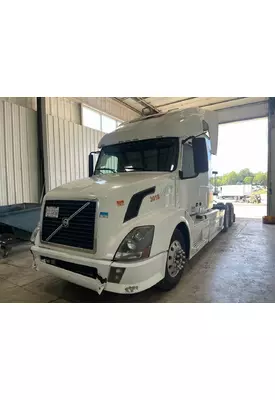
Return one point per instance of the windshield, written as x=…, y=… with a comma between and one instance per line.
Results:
x=145, y=155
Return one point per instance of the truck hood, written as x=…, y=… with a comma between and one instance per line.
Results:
x=102, y=186
x=114, y=193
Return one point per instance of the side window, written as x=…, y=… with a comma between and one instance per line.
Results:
x=110, y=163
x=188, y=166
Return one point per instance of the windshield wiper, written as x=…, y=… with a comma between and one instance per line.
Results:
x=105, y=169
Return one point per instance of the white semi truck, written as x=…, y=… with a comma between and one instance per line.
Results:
x=144, y=211
x=236, y=192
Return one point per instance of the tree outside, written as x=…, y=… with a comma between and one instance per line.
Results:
x=245, y=176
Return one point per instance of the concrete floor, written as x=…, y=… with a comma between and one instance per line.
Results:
x=238, y=266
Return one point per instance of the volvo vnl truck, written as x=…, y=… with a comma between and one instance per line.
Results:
x=145, y=210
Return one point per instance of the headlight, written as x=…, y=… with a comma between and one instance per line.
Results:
x=35, y=233
x=136, y=245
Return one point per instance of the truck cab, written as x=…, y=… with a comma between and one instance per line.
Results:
x=144, y=211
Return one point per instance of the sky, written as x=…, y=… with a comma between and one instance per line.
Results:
x=242, y=145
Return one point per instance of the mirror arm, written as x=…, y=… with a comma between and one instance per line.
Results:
x=191, y=137
x=186, y=140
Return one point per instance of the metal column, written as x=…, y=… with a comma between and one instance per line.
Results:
x=42, y=144
x=271, y=158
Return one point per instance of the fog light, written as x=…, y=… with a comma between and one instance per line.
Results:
x=116, y=274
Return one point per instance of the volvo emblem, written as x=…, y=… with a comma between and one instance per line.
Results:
x=65, y=222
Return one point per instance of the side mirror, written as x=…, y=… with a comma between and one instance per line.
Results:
x=91, y=164
x=200, y=155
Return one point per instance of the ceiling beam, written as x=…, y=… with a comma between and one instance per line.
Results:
x=144, y=103
x=225, y=101
x=126, y=105
x=243, y=112
x=176, y=101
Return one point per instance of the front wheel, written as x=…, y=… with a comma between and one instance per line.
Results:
x=176, y=261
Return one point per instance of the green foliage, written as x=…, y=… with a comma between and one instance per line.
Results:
x=245, y=176
x=261, y=191
x=248, y=180
x=245, y=173
x=260, y=178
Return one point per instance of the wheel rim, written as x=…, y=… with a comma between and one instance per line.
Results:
x=176, y=259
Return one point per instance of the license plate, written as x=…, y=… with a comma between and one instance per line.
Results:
x=52, y=212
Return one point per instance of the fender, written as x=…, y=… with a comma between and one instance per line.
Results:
x=168, y=224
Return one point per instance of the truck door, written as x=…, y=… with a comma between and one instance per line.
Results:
x=194, y=193
x=194, y=189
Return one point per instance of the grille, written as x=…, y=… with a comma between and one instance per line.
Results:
x=73, y=231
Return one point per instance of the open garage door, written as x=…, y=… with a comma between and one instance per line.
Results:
x=241, y=163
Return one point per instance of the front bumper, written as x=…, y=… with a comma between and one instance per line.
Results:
x=138, y=276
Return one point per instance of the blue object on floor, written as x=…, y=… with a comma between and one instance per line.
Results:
x=24, y=217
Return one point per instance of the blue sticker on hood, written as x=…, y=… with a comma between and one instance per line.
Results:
x=103, y=215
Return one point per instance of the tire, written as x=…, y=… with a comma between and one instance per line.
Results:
x=231, y=214
x=226, y=219
x=173, y=272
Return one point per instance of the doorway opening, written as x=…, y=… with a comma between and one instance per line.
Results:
x=241, y=163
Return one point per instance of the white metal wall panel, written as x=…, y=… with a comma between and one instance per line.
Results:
x=57, y=151
x=76, y=148
x=64, y=108
x=85, y=151
x=81, y=151
x=18, y=176
x=9, y=153
x=68, y=148
x=3, y=162
x=27, y=102
x=67, y=151
x=25, y=154
x=18, y=155
x=51, y=152
x=72, y=151
x=62, y=151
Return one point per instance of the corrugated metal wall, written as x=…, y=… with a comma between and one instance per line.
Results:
x=68, y=143
x=28, y=102
x=68, y=148
x=69, y=108
x=18, y=155
x=65, y=108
